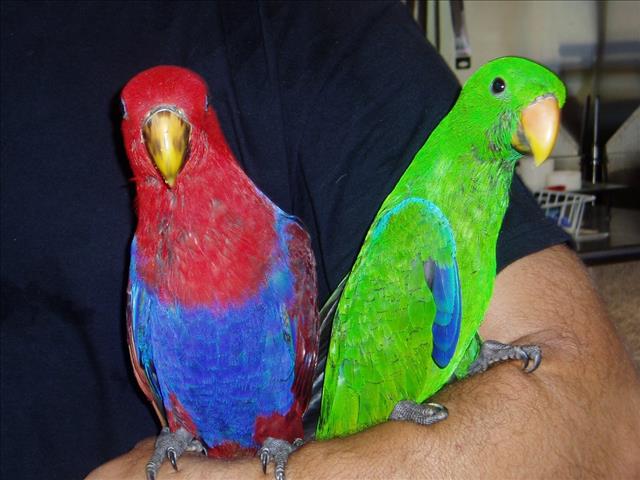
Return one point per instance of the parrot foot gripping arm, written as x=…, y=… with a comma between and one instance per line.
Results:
x=493, y=352
x=278, y=451
x=172, y=446
x=423, y=414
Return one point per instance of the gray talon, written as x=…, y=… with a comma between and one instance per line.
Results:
x=197, y=447
x=525, y=363
x=423, y=414
x=171, y=453
x=278, y=451
x=171, y=445
x=493, y=352
x=536, y=356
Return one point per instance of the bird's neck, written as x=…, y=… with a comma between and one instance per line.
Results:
x=207, y=240
x=471, y=187
x=478, y=188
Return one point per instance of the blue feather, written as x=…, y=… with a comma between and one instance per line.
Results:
x=446, y=326
x=227, y=366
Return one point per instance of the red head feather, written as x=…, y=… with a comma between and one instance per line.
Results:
x=208, y=239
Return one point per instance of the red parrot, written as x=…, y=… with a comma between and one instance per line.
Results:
x=222, y=316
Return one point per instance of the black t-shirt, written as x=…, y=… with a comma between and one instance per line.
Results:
x=324, y=105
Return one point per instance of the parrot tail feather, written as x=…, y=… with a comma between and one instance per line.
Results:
x=329, y=307
x=327, y=313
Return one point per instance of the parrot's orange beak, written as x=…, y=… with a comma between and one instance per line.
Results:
x=538, y=129
x=166, y=136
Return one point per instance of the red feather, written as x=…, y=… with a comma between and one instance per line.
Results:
x=202, y=208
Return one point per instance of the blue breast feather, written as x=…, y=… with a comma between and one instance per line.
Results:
x=225, y=365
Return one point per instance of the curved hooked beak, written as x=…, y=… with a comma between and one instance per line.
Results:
x=166, y=136
x=538, y=128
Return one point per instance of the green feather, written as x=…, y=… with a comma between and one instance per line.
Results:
x=381, y=343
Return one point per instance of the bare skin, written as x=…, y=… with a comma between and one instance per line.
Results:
x=578, y=415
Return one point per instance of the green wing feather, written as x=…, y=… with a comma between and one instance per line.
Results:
x=384, y=352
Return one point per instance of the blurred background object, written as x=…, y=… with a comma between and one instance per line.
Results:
x=623, y=151
x=619, y=287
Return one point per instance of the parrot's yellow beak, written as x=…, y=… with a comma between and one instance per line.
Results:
x=166, y=136
x=538, y=129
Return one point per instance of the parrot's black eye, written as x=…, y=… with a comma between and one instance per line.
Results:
x=123, y=109
x=498, y=86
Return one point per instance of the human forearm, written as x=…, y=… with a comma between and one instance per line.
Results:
x=502, y=423
x=576, y=415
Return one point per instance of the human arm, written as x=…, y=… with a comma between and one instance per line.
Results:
x=577, y=415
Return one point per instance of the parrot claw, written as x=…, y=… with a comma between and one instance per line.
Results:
x=421, y=413
x=171, y=445
x=493, y=352
x=264, y=459
x=278, y=451
x=534, y=354
x=171, y=454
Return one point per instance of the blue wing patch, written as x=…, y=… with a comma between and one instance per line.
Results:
x=138, y=321
x=442, y=278
x=444, y=283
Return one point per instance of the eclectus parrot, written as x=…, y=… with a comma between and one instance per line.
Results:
x=407, y=314
x=222, y=317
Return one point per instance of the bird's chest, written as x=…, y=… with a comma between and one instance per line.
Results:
x=225, y=259
x=477, y=267
x=220, y=344
x=225, y=366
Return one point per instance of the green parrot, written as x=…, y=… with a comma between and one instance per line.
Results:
x=406, y=317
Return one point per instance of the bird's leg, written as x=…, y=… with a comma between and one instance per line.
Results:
x=172, y=446
x=493, y=352
x=421, y=413
x=278, y=451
